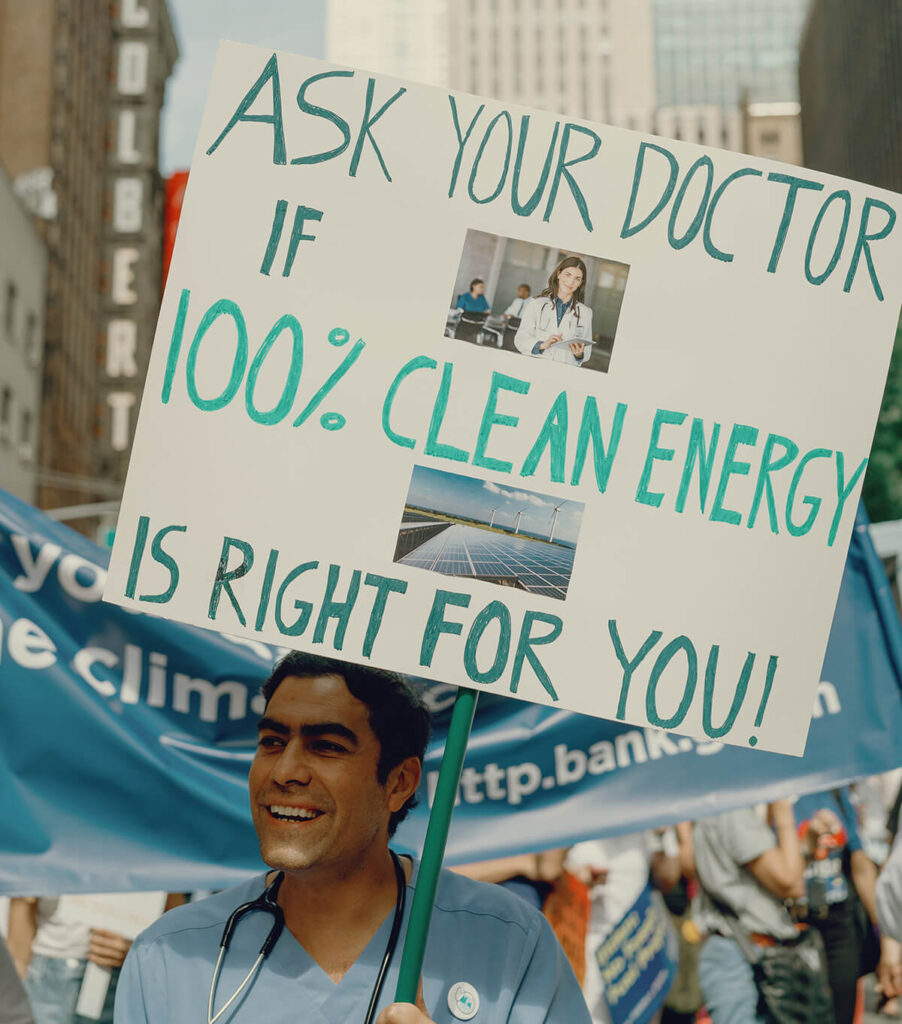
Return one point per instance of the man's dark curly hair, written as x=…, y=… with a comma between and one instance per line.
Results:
x=397, y=715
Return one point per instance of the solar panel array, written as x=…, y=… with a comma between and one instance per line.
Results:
x=534, y=565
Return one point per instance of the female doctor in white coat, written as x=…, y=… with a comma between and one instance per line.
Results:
x=557, y=325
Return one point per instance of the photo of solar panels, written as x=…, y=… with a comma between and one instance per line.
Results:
x=463, y=526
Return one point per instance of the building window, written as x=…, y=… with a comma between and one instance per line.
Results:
x=9, y=309
x=32, y=348
x=6, y=412
x=26, y=447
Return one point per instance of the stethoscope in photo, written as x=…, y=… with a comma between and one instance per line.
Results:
x=548, y=317
x=267, y=901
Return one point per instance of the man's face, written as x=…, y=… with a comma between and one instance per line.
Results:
x=477, y=289
x=315, y=798
x=522, y=292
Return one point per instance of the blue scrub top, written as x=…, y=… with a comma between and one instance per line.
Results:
x=479, y=934
x=466, y=301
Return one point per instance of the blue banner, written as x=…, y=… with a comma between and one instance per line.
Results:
x=125, y=739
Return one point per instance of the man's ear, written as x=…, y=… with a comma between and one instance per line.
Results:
x=402, y=782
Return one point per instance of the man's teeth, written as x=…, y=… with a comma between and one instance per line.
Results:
x=292, y=812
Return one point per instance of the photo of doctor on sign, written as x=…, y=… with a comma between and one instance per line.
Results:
x=541, y=301
x=557, y=325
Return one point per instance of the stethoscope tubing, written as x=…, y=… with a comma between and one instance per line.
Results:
x=548, y=318
x=211, y=1019
x=267, y=901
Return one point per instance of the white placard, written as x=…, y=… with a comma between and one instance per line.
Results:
x=649, y=525
x=126, y=913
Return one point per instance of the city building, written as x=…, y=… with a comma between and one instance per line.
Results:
x=714, y=58
x=54, y=64
x=590, y=59
x=708, y=124
x=772, y=130
x=697, y=70
x=69, y=129
x=23, y=272
x=720, y=51
x=404, y=38
x=850, y=79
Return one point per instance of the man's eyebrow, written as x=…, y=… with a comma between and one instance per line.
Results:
x=272, y=725
x=330, y=729
x=267, y=724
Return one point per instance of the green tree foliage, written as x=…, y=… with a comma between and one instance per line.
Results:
x=882, y=490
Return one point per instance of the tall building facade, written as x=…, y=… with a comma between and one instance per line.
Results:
x=699, y=70
x=716, y=52
x=62, y=63
x=715, y=59
x=850, y=77
x=53, y=118
x=772, y=130
x=403, y=38
x=590, y=59
x=23, y=271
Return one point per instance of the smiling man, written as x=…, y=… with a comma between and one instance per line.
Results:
x=337, y=767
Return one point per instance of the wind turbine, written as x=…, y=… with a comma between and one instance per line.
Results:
x=493, y=511
x=554, y=514
x=517, y=525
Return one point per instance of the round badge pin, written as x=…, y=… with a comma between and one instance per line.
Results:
x=463, y=1000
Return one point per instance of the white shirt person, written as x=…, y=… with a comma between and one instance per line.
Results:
x=519, y=304
x=557, y=325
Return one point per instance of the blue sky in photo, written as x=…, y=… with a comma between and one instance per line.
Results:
x=474, y=499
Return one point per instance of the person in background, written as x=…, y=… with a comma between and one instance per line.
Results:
x=530, y=876
x=51, y=951
x=519, y=303
x=746, y=868
x=874, y=799
x=616, y=871
x=14, y=1007
x=840, y=898
x=889, y=913
x=685, y=996
x=51, y=954
x=558, y=325
x=473, y=301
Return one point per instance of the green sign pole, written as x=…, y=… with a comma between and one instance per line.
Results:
x=434, y=845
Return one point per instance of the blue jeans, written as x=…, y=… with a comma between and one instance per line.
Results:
x=53, y=984
x=728, y=983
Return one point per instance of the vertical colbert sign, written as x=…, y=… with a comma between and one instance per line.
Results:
x=143, y=54
x=501, y=399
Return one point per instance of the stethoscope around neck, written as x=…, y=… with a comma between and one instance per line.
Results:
x=267, y=901
x=547, y=314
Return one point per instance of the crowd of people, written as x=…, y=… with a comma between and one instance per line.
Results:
x=773, y=908
x=762, y=915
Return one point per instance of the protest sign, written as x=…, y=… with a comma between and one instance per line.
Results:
x=174, y=709
x=125, y=913
x=352, y=441
x=638, y=961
